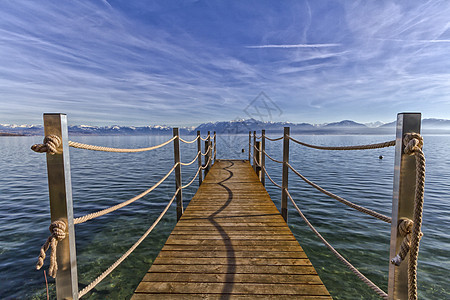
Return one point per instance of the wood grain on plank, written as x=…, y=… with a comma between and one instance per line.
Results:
x=231, y=242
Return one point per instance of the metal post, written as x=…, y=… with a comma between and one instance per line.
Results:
x=176, y=152
x=254, y=150
x=210, y=151
x=199, y=149
x=263, y=157
x=207, y=156
x=258, y=159
x=402, y=202
x=285, y=174
x=61, y=208
x=215, y=147
x=249, y=145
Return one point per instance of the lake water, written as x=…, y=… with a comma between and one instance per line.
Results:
x=101, y=179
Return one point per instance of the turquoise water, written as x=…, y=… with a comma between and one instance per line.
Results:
x=103, y=179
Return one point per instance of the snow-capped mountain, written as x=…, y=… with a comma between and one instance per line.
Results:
x=231, y=127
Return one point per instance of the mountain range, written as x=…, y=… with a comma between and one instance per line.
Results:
x=235, y=127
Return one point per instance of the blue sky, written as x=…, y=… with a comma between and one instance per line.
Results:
x=187, y=62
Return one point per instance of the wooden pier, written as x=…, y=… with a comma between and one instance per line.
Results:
x=231, y=242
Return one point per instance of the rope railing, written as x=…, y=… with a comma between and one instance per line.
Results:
x=123, y=204
x=120, y=150
x=369, y=283
x=195, y=176
x=97, y=280
x=192, y=161
x=271, y=158
x=358, y=147
x=206, y=163
x=408, y=229
x=60, y=229
x=273, y=139
x=342, y=200
x=206, y=138
x=52, y=144
x=189, y=142
x=206, y=151
x=270, y=178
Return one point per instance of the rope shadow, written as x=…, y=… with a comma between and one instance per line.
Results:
x=231, y=257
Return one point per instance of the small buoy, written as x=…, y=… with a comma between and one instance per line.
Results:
x=243, y=150
x=380, y=157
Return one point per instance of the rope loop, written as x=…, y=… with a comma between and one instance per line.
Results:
x=404, y=229
x=58, y=233
x=52, y=145
x=413, y=143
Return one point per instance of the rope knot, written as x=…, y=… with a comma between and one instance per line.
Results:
x=404, y=229
x=58, y=230
x=405, y=226
x=58, y=233
x=52, y=145
x=413, y=143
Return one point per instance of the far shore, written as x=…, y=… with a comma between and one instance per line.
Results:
x=10, y=134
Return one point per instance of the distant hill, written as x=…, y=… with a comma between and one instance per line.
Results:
x=236, y=127
x=345, y=124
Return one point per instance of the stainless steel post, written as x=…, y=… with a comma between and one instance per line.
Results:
x=263, y=157
x=210, y=151
x=61, y=207
x=199, y=149
x=258, y=159
x=402, y=201
x=284, y=184
x=207, y=156
x=176, y=152
x=254, y=150
x=215, y=147
x=249, y=146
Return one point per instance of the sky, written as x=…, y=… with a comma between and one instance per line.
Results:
x=182, y=63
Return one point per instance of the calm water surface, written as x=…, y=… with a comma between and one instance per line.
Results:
x=100, y=180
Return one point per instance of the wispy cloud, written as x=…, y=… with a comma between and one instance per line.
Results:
x=294, y=46
x=186, y=63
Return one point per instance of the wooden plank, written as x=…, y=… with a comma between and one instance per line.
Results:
x=238, y=278
x=233, y=261
x=146, y=296
x=231, y=242
x=236, y=288
x=235, y=254
x=269, y=248
x=226, y=269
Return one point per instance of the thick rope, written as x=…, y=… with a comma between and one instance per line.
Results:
x=404, y=229
x=196, y=174
x=270, y=178
x=369, y=283
x=206, y=163
x=51, y=145
x=58, y=233
x=359, y=147
x=120, y=205
x=273, y=159
x=206, y=151
x=120, y=150
x=276, y=139
x=124, y=256
x=189, y=142
x=206, y=138
x=190, y=163
x=258, y=137
x=411, y=229
x=342, y=200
